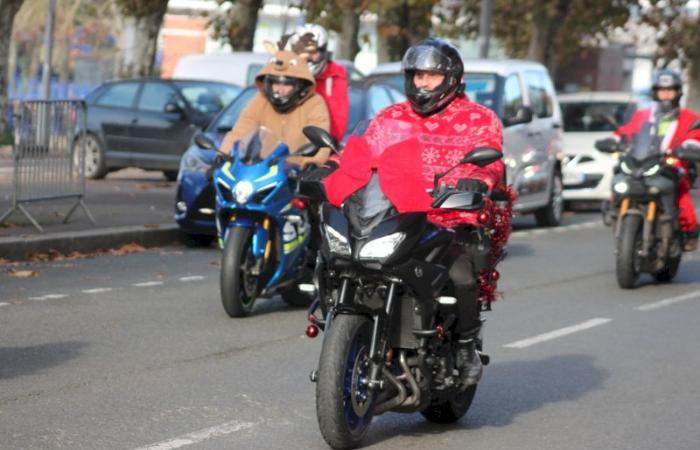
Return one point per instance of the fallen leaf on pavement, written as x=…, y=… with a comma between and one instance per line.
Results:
x=24, y=273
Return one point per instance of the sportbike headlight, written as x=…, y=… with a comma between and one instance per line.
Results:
x=382, y=247
x=242, y=191
x=337, y=243
x=625, y=168
x=651, y=171
x=621, y=187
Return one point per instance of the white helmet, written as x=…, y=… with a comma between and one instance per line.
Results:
x=315, y=36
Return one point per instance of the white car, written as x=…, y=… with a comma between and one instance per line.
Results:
x=589, y=116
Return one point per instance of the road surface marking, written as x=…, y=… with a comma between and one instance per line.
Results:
x=41, y=298
x=558, y=333
x=3, y=304
x=668, y=301
x=199, y=436
x=148, y=284
x=96, y=290
x=192, y=278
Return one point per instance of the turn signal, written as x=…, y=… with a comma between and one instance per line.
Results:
x=312, y=330
x=299, y=203
x=495, y=275
x=483, y=217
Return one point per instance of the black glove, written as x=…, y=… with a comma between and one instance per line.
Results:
x=472, y=184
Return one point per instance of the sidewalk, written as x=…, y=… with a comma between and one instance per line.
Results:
x=129, y=206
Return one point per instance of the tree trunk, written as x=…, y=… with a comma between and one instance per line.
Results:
x=244, y=20
x=350, y=29
x=138, y=44
x=8, y=9
x=694, y=86
x=400, y=27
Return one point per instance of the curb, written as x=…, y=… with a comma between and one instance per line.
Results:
x=19, y=248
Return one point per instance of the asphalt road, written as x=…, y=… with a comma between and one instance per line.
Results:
x=135, y=351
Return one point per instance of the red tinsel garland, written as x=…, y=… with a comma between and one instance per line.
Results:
x=498, y=226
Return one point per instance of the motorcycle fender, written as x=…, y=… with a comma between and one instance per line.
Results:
x=260, y=235
x=629, y=212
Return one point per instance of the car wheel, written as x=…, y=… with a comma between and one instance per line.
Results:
x=94, y=160
x=550, y=215
x=170, y=175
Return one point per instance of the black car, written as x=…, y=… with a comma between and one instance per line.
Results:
x=148, y=123
x=194, y=203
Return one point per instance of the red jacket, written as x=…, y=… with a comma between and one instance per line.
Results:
x=332, y=85
x=407, y=150
x=676, y=134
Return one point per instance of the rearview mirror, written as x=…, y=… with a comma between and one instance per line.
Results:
x=690, y=151
x=607, y=145
x=482, y=156
x=307, y=150
x=320, y=137
x=172, y=107
x=203, y=141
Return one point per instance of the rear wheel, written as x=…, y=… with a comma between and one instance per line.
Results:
x=294, y=297
x=238, y=286
x=550, y=215
x=343, y=402
x=198, y=240
x=669, y=272
x=170, y=175
x=452, y=409
x=627, y=264
x=94, y=160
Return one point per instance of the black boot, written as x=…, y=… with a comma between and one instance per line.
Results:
x=468, y=362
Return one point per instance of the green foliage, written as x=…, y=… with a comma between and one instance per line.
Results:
x=140, y=8
x=678, y=32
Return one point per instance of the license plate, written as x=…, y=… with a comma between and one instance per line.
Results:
x=574, y=178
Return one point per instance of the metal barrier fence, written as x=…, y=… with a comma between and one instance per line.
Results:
x=49, y=155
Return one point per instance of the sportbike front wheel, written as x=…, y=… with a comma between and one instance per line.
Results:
x=238, y=286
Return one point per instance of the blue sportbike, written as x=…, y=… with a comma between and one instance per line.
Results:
x=263, y=226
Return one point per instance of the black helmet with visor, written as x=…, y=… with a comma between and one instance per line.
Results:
x=284, y=103
x=667, y=79
x=437, y=56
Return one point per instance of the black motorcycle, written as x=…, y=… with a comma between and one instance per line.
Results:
x=644, y=212
x=386, y=312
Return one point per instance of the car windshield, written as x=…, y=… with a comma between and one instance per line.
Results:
x=595, y=116
x=256, y=145
x=207, y=97
x=227, y=119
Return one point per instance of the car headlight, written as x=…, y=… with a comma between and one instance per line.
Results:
x=242, y=191
x=337, y=243
x=621, y=187
x=653, y=170
x=625, y=168
x=382, y=247
x=192, y=162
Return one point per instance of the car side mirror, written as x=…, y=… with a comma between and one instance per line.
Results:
x=204, y=142
x=482, y=156
x=524, y=114
x=320, y=137
x=172, y=107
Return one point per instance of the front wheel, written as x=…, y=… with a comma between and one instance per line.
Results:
x=343, y=401
x=238, y=286
x=627, y=264
x=93, y=161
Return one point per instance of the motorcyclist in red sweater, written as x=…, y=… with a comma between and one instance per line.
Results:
x=673, y=127
x=447, y=126
x=331, y=77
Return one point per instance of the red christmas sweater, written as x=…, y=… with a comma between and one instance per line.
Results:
x=407, y=150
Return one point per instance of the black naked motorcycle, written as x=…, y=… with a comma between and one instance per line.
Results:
x=645, y=216
x=386, y=309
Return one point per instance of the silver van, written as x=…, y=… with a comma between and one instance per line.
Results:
x=522, y=94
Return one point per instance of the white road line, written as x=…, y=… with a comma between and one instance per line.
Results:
x=148, y=284
x=3, y=304
x=192, y=278
x=96, y=290
x=41, y=298
x=558, y=333
x=668, y=301
x=199, y=436
x=561, y=229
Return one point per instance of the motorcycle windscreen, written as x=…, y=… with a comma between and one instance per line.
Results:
x=646, y=143
x=257, y=145
x=368, y=207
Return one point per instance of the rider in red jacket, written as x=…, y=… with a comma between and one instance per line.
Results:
x=674, y=123
x=331, y=77
x=435, y=128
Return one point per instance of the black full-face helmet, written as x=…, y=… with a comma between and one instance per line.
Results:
x=285, y=103
x=432, y=55
x=667, y=79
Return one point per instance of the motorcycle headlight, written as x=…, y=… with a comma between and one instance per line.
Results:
x=625, y=168
x=651, y=171
x=621, y=187
x=242, y=191
x=382, y=247
x=337, y=243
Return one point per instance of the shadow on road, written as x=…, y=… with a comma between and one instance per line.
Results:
x=517, y=249
x=20, y=361
x=509, y=389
